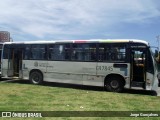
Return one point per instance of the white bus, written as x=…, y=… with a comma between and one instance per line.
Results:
x=112, y=64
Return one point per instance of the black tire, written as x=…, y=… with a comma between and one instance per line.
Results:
x=36, y=78
x=154, y=93
x=114, y=84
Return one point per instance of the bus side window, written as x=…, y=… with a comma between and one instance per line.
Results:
x=77, y=52
x=90, y=52
x=38, y=52
x=112, y=52
x=59, y=52
x=104, y=52
x=27, y=52
x=83, y=52
x=6, y=52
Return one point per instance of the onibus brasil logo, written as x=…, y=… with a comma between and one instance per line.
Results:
x=21, y=114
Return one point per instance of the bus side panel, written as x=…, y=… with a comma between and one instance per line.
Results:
x=70, y=72
x=127, y=76
x=5, y=68
x=62, y=72
x=149, y=81
x=28, y=65
x=104, y=69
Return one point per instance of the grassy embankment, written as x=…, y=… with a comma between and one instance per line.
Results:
x=16, y=96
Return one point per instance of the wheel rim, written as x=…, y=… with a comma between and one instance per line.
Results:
x=35, y=78
x=114, y=84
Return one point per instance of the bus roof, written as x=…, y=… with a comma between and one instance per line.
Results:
x=82, y=41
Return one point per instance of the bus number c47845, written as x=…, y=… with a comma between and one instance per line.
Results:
x=104, y=68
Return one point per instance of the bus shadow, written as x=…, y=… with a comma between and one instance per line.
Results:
x=79, y=87
x=138, y=92
x=95, y=88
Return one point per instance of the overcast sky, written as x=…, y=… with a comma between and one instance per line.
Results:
x=81, y=19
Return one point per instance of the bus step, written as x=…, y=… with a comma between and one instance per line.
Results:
x=137, y=84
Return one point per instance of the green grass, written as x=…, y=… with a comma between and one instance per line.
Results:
x=27, y=97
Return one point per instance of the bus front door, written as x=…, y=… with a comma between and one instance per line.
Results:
x=138, y=68
x=15, y=62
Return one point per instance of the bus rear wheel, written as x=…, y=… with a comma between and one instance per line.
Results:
x=114, y=84
x=36, y=78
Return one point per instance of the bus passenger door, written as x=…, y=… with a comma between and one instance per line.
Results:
x=19, y=58
x=138, y=67
x=15, y=62
x=10, y=63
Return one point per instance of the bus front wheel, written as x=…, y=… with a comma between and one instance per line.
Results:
x=36, y=78
x=114, y=84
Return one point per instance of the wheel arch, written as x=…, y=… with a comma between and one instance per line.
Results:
x=37, y=70
x=115, y=75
